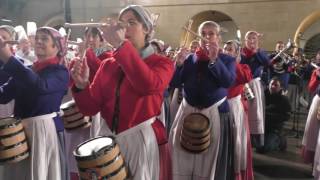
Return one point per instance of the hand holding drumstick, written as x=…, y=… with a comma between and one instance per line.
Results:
x=80, y=73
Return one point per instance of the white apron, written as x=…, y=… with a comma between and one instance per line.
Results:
x=75, y=137
x=256, y=108
x=6, y=110
x=188, y=166
x=240, y=134
x=174, y=106
x=140, y=150
x=44, y=158
x=311, y=133
x=316, y=163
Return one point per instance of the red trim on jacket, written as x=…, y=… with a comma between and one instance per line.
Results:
x=243, y=75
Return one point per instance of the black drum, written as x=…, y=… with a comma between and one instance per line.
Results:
x=196, y=133
x=13, y=141
x=100, y=158
x=72, y=118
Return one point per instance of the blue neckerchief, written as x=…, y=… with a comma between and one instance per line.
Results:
x=146, y=51
x=99, y=51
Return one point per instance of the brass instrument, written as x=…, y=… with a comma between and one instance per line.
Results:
x=300, y=63
x=283, y=53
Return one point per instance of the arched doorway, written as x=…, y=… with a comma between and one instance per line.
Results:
x=303, y=32
x=307, y=35
x=312, y=46
x=225, y=21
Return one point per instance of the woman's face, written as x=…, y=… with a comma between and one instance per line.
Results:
x=45, y=46
x=194, y=46
x=5, y=35
x=252, y=41
x=230, y=50
x=210, y=33
x=135, y=32
x=93, y=41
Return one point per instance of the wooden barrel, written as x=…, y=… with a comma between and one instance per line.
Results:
x=100, y=158
x=195, y=133
x=13, y=141
x=72, y=118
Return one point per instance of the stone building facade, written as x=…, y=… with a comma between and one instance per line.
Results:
x=276, y=19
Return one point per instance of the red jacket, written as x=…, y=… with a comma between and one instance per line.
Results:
x=141, y=91
x=94, y=62
x=243, y=75
x=314, y=82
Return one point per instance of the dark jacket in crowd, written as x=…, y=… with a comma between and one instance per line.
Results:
x=277, y=111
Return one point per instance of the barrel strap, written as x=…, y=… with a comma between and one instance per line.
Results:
x=116, y=112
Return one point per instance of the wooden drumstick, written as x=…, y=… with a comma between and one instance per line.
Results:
x=155, y=18
x=97, y=25
x=84, y=52
x=314, y=65
x=11, y=42
x=69, y=25
x=195, y=34
x=186, y=37
x=68, y=35
x=74, y=43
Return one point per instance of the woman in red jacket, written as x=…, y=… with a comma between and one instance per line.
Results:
x=96, y=52
x=242, y=150
x=128, y=91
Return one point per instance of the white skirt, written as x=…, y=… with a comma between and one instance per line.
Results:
x=240, y=133
x=311, y=139
x=75, y=137
x=188, y=166
x=311, y=132
x=256, y=108
x=44, y=158
x=6, y=110
x=174, y=105
x=139, y=148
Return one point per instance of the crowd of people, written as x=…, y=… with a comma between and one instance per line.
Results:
x=234, y=96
